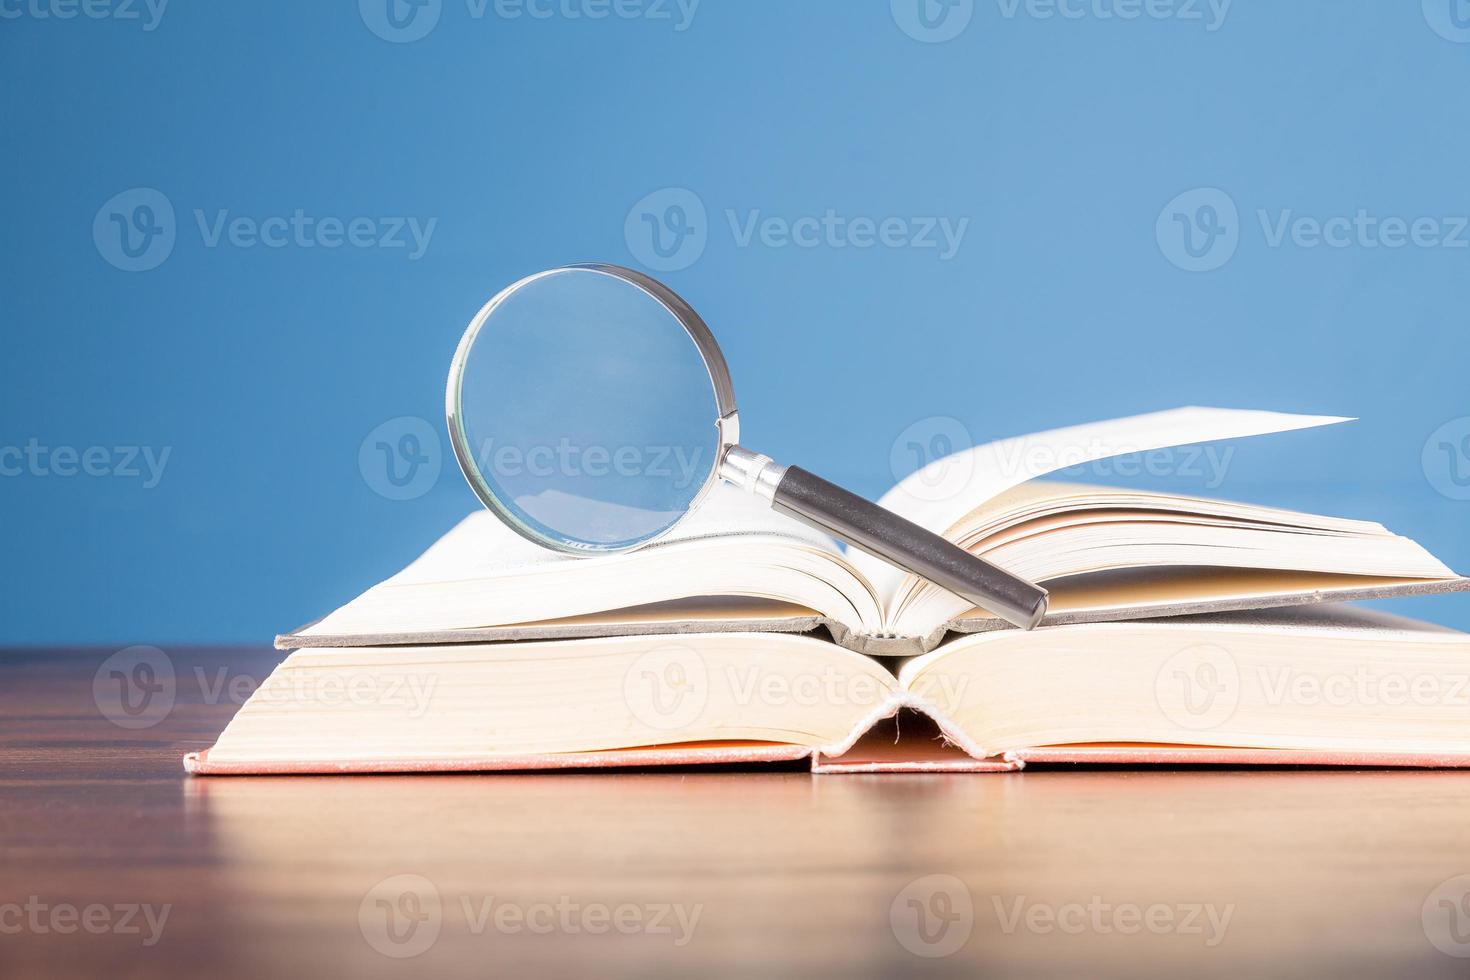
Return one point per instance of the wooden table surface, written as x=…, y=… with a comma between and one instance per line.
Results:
x=114, y=863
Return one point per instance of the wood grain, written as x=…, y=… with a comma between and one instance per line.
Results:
x=1320, y=873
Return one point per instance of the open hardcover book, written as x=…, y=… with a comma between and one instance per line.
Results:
x=734, y=565
x=1325, y=684
x=1181, y=630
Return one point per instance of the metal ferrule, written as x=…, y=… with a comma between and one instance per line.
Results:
x=752, y=472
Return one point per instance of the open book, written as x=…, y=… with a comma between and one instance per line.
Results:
x=1106, y=554
x=1311, y=684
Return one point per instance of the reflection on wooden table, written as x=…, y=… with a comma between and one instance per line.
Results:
x=1096, y=872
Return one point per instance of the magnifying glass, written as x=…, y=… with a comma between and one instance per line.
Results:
x=591, y=409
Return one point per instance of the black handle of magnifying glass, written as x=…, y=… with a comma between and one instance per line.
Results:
x=883, y=534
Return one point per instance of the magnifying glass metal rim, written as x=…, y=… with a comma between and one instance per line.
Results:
x=727, y=422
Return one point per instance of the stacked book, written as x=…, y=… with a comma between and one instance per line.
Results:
x=1181, y=630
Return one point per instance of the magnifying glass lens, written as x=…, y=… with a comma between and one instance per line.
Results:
x=585, y=410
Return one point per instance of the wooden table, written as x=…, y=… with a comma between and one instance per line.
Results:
x=692, y=873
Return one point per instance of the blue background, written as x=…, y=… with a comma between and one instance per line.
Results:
x=531, y=139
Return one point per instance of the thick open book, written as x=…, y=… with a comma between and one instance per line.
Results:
x=1322, y=684
x=1106, y=554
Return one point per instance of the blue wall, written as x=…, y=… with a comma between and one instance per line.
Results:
x=1052, y=146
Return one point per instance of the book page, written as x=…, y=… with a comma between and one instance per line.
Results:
x=1326, y=679
x=476, y=703
x=483, y=575
x=483, y=545
x=1074, y=502
x=940, y=494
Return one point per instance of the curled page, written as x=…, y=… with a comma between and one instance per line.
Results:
x=941, y=493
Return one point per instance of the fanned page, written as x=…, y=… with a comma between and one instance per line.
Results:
x=1154, y=549
x=734, y=564
x=732, y=547
x=724, y=513
x=938, y=495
